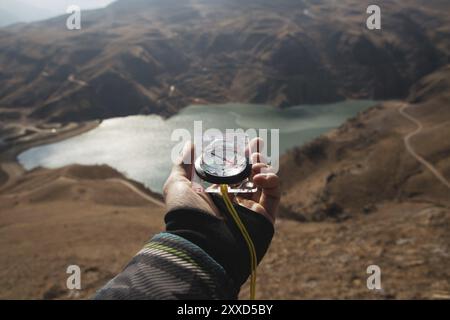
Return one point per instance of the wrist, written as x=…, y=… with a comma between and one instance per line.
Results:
x=220, y=238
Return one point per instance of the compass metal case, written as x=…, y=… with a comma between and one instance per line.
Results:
x=212, y=178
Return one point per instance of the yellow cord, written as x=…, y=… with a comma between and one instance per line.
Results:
x=248, y=239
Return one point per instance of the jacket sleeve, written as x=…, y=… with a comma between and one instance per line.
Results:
x=199, y=257
x=167, y=268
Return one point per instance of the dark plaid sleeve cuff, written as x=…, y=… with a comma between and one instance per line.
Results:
x=170, y=267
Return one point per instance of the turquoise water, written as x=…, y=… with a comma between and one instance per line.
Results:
x=140, y=146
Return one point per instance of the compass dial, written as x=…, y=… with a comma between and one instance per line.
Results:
x=221, y=163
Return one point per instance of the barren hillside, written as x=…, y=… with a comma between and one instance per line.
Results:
x=141, y=56
x=367, y=161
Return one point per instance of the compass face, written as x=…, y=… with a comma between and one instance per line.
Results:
x=221, y=163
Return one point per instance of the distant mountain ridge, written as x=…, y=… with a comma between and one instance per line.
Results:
x=128, y=56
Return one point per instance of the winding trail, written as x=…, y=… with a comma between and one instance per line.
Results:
x=410, y=149
x=81, y=83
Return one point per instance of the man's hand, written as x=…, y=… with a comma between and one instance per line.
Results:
x=178, y=191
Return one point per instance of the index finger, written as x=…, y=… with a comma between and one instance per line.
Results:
x=270, y=194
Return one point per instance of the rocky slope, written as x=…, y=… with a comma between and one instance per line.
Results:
x=393, y=210
x=158, y=56
x=366, y=162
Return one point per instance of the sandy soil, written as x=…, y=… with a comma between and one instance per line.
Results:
x=408, y=241
x=51, y=219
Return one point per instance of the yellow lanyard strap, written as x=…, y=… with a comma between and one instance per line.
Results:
x=248, y=239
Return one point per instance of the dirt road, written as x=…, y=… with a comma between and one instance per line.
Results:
x=410, y=149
